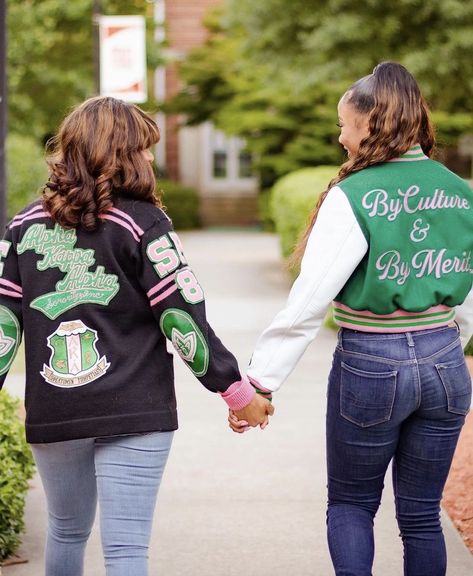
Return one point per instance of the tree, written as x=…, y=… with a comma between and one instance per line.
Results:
x=272, y=71
x=50, y=58
x=285, y=128
x=343, y=39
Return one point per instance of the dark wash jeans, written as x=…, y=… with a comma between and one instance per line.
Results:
x=400, y=398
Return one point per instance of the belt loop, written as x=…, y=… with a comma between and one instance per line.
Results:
x=410, y=340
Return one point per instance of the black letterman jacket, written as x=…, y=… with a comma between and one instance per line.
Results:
x=96, y=309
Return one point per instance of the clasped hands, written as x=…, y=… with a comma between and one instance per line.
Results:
x=256, y=413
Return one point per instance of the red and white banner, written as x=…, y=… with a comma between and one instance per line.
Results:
x=123, y=58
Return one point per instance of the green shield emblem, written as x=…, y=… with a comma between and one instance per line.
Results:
x=74, y=357
x=187, y=339
x=9, y=338
x=73, y=353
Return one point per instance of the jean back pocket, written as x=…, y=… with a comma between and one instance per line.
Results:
x=456, y=381
x=366, y=398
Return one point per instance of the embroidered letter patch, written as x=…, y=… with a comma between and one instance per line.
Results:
x=79, y=285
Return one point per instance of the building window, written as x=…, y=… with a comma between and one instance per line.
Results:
x=226, y=161
x=219, y=155
x=219, y=164
x=245, y=164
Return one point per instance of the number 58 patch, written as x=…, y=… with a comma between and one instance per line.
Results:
x=166, y=255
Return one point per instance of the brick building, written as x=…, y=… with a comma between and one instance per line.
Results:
x=202, y=157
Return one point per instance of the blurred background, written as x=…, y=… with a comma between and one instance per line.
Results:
x=245, y=92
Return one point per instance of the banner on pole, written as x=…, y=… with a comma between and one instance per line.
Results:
x=123, y=58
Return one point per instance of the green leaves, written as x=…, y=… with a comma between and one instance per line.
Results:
x=17, y=469
x=181, y=204
x=27, y=171
x=50, y=58
x=49, y=62
x=292, y=199
x=469, y=348
x=272, y=71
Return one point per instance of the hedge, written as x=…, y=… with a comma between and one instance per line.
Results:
x=16, y=469
x=469, y=348
x=26, y=171
x=181, y=204
x=292, y=199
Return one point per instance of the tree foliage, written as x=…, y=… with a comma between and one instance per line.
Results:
x=285, y=128
x=50, y=58
x=27, y=172
x=272, y=71
x=323, y=40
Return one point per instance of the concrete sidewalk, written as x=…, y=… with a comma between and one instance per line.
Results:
x=251, y=504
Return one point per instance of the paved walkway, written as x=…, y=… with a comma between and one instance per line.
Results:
x=251, y=504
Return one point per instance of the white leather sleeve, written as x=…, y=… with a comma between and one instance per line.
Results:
x=335, y=248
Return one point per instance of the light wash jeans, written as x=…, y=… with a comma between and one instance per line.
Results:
x=400, y=398
x=123, y=473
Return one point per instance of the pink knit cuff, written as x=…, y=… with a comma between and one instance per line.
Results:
x=239, y=394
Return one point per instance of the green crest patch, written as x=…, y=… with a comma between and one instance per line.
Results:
x=187, y=339
x=9, y=338
x=74, y=360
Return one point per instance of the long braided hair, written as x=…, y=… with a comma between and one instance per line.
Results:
x=398, y=119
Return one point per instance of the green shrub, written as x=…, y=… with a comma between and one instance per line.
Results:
x=292, y=199
x=264, y=210
x=16, y=469
x=181, y=204
x=469, y=348
x=26, y=171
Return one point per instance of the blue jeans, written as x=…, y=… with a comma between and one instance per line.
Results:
x=400, y=398
x=123, y=473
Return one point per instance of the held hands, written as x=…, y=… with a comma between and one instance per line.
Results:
x=256, y=413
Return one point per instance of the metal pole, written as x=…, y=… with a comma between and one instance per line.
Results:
x=3, y=112
x=96, y=13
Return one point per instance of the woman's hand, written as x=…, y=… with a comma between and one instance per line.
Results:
x=256, y=413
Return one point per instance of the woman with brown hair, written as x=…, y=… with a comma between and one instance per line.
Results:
x=95, y=277
x=390, y=244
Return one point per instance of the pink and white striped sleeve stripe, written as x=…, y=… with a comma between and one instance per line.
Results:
x=32, y=214
x=124, y=220
x=8, y=288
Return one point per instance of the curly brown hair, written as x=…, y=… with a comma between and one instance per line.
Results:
x=398, y=119
x=97, y=155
